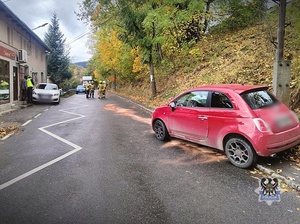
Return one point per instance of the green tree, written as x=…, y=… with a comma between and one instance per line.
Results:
x=57, y=59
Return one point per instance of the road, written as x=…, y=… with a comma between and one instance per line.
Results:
x=98, y=161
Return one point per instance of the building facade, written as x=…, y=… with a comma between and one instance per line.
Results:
x=22, y=53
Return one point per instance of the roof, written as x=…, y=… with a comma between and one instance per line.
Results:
x=10, y=14
x=238, y=88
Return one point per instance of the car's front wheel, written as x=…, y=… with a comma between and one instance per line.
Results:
x=161, y=132
x=240, y=152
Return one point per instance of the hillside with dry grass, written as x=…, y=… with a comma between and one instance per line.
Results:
x=244, y=56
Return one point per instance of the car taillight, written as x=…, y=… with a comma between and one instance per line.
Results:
x=261, y=125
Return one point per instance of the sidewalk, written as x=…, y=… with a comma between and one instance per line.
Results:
x=282, y=167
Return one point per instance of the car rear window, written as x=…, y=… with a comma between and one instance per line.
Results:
x=259, y=99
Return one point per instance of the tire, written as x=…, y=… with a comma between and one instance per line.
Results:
x=161, y=132
x=240, y=152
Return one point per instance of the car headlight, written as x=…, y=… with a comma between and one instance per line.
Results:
x=55, y=94
x=33, y=92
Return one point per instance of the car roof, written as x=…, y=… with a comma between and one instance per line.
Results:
x=238, y=88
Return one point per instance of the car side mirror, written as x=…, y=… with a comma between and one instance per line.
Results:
x=172, y=105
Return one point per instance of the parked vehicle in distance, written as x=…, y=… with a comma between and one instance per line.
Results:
x=245, y=121
x=46, y=93
x=80, y=89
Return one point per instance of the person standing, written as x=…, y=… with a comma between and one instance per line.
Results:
x=92, y=89
x=101, y=89
x=23, y=89
x=87, y=89
x=29, y=85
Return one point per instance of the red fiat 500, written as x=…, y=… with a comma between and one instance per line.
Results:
x=243, y=120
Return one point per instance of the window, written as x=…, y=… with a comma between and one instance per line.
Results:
x=8, y=35
x=193, y=99
x=25, y=45
x=4, y=82
x=259, y=99
x=220, y=100
x=42, y=56
x=36, y=52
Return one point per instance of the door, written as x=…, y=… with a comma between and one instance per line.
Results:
x=15, y=83
x=189, y=120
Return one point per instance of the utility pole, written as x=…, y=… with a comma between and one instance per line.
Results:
x=282, y=68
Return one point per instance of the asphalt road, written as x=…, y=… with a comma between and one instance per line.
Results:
x=98, y=161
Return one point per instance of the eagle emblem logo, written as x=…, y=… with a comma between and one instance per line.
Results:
x=268, y=190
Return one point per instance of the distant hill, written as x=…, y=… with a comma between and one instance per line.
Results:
x=82, y=64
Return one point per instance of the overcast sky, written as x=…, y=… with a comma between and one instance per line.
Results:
x=37, y=12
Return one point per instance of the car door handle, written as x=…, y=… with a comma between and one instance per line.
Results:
x=202, y=117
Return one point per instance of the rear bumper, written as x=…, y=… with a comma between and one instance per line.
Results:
x=277, y=142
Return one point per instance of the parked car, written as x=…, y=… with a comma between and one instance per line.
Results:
x=80, y=89
x=245, y=121
x=46, y=93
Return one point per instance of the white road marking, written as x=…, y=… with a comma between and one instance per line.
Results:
x=36, y=116
x=2, y=186
x=7, y=136
x=76, y=148
x=27, y=122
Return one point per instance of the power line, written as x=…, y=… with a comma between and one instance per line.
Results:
x=79, y=37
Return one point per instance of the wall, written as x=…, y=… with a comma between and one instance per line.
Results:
x=14, y=37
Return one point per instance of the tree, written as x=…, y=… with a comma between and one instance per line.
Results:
x=57, y=60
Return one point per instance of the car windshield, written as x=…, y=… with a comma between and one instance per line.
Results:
x=259, y=99
x=80, y=86
x=47, y=86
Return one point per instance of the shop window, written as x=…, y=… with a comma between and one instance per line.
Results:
x=4, y=82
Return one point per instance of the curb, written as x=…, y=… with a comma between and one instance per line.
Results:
x=150, y=110
x=273, y=174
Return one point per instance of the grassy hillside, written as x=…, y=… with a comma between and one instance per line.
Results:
x=245, y=56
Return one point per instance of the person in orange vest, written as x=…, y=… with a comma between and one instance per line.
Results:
x=29, y=85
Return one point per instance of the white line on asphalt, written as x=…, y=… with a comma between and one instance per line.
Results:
x=27, y=122
x=2, y=186
x=36, y=116
x=7, y=136
x=76, y=148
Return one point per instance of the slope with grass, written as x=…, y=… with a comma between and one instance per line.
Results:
x=244, y=56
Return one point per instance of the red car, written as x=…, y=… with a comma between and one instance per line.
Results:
x=245, y=121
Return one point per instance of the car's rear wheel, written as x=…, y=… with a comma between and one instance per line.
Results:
x=240, y=152
x=161, y=132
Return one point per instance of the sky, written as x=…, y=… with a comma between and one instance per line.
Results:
x=37, y=12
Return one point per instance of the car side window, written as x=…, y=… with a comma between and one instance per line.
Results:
x=182, y=100
x=220, y=100
x=193, y=99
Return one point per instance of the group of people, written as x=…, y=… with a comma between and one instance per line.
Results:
x=90, y=89
x=27, y=87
